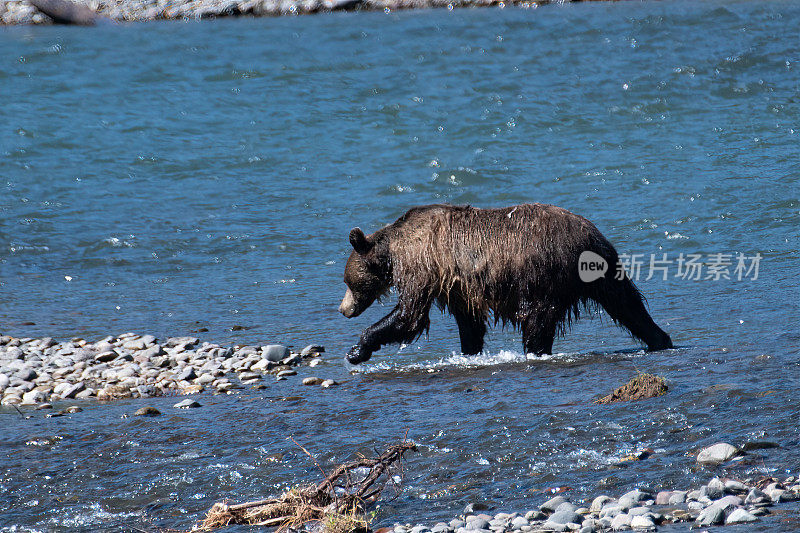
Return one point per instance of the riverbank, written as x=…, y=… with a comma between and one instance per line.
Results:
x=14, y=12
x=35, y=372
x=722, y=501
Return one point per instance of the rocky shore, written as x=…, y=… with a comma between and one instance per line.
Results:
x=721, y=501
x=35, y=372
x=23, y=12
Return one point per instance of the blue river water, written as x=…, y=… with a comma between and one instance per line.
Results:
x=201, y=178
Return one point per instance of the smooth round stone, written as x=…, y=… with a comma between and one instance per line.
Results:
x=187, y=374
x=34, y=397
x=621, y=521
x=717, y=453
x=286, y=373
x=328, y=383
x=678, y=496
x=642, y=523
x=4, y=381
x=187, y=404
x=85, y=394
x=599, y=502
x=477, y=524
x=275, y=352
x=204, y=379
x=72, y=409
x=44, y=406
x=312, y=349
x=734, y=487
x=551, y=504
x=710, y=516
x=565, y=516
x=312, y=380
x=26, y=374
x=11, y=399
x=740, y=516
x=519, y=522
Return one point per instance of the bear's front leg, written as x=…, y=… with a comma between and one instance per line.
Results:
x=397, y=326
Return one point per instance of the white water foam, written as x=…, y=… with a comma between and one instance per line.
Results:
x=458, y=360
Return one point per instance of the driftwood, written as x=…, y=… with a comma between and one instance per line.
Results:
x=66, y=12
x=338, y=501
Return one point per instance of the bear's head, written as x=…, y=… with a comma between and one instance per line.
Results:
x=368, y=273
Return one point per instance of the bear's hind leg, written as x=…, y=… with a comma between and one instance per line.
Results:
x=624, y=303
x=471, y=330
x=539, y=329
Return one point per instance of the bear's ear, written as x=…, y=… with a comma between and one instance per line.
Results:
x=359, y=241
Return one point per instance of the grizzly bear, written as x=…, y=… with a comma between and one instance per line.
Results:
x=516, y=265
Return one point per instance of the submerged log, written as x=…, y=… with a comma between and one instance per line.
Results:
x=66, y=12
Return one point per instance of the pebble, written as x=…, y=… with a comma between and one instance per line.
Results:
x=328, y=383
x=312, y=381
x=36, y=371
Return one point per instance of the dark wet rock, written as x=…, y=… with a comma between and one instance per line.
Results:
x=640, y=387
x=44, y=406
x=187, y=404
x=147, y=411
x=106, y=357
x=72, y=409
x=717, y=453
x=759, y=445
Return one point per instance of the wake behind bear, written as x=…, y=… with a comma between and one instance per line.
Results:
x=516, y=265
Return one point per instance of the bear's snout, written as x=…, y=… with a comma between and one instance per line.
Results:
x=348, y=305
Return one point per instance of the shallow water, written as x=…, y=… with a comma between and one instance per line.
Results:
x=172, y=178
